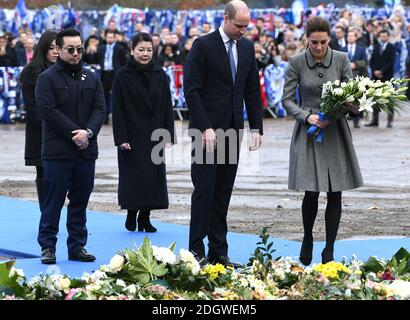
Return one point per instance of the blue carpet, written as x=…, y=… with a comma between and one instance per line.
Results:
x=18, y=236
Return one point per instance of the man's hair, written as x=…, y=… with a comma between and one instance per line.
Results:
x=339, y=26
x=107, y=31
x=317, y=24
x=230, y=11
x=140, y=37
x=384, y=31
x=66, y=33
x=353, y=30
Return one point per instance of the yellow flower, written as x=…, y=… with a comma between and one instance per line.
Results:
x=331, y=269
x=214, y=271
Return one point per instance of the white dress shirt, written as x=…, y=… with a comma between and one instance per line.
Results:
x=226, y=39
x=109, y=52
x=351, y=49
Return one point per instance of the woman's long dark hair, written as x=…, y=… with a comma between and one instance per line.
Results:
x=39, y=61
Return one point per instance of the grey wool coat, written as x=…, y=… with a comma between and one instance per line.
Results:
x=332, y=164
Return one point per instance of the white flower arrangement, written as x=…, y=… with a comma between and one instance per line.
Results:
x=164, y=255
x=189, y=259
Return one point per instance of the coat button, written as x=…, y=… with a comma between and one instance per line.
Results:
x=320, y=75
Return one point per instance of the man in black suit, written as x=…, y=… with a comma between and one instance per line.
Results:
x=358, y=61
x=220, y=74
x=111, y=57
x=277, y=33
x=382, y=67
x=71, y=103
x=338, y=40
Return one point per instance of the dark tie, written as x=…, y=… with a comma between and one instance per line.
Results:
x=232, y=60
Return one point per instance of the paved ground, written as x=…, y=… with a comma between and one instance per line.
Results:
x=260, y=197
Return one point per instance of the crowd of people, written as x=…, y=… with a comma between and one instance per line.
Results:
x=108, y=49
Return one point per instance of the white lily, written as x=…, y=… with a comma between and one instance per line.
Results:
x=350, y=99
x=366, y=104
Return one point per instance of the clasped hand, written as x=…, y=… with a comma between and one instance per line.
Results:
x=314, y=120
x=80, y=139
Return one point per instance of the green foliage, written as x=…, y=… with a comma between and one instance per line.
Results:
x=10, y=285
x=400, y=262
x=142, y=266
x=263, y=252
x=182, y=278
x=373, y=265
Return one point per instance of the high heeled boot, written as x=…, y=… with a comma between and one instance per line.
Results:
x=144, y=223
x=131, y=222
x=327, y=255
x=305, y=255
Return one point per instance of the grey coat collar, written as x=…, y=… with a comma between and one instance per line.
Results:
x=325, y=63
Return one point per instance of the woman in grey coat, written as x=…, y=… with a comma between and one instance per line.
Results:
x=330, y=166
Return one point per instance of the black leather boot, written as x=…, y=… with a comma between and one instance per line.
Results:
x=327, y=255
x=40, y=192
x=144, y=224
x=131, y=222
x=306, y=251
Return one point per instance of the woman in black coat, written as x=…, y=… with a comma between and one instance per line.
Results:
x=45, y=55
x=141, y=102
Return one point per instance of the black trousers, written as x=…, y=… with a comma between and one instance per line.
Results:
x=376, y=116
x=213, y=184
x=74, y=179
x=107, y=79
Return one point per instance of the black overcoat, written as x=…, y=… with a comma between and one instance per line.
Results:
x=136, y=113
x=32, y=152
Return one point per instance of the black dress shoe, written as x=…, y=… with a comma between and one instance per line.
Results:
x=81, y=255
x=356, y=125
x=48, y=256
x=372, y=124
x=327, y=255
x=202, y=260
x=225, y=261
x=305, y=255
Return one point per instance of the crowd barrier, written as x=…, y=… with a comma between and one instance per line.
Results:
x=57, y=17
x=272, y=79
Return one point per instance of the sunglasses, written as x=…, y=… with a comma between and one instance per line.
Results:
x=71, y=50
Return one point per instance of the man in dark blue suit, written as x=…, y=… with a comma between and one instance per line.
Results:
x=111, y=57
x=358, y=61
x=220, y=74
x=71, y=102
x=382, y=67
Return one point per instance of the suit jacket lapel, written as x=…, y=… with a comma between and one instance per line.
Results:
x=222, y=53
x=241, y=59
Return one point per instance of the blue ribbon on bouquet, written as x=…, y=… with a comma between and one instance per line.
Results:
x=316, y=130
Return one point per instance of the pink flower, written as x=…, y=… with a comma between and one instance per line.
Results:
x=71, y=293
x=388, y=275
